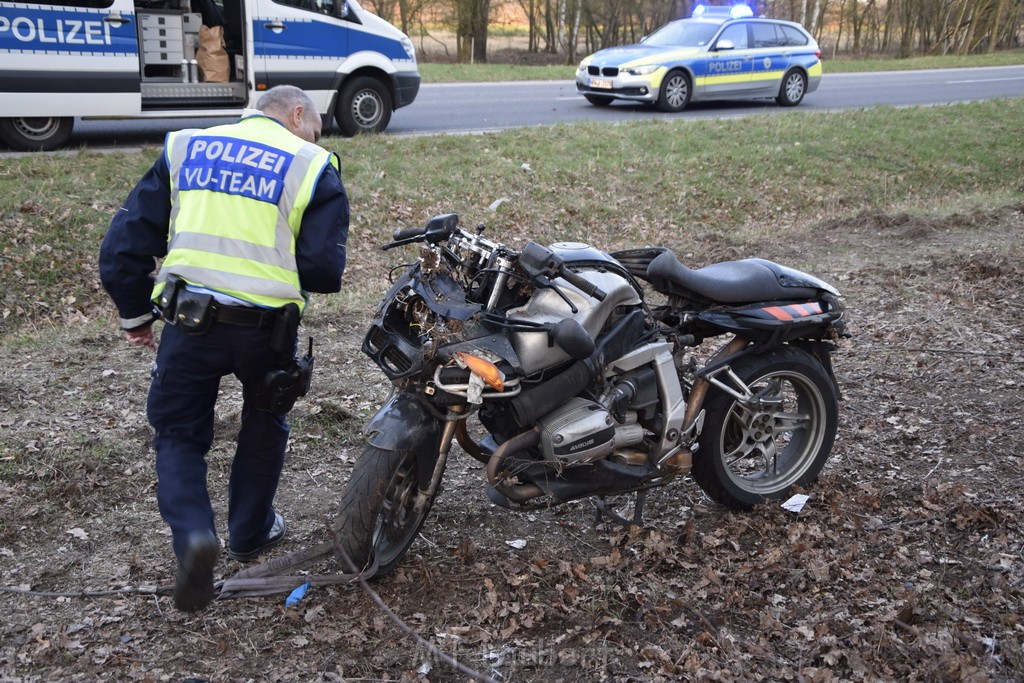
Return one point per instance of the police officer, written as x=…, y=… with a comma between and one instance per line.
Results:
x=248, y=218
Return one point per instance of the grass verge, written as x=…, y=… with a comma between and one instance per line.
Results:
x=713, y=184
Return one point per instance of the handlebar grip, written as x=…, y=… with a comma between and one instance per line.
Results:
x=407, y=233
x=583, y=284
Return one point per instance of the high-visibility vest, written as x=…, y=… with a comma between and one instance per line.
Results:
x=238, y=193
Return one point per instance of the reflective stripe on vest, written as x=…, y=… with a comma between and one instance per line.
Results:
x=230, y=187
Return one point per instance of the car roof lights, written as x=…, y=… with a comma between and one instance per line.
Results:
x=737, y=11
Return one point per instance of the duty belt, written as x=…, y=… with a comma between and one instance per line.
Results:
x=244, y=316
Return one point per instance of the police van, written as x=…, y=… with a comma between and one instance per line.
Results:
x=120, y=59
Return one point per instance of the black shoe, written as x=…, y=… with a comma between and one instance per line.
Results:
x=193, y=589
x=274, y=536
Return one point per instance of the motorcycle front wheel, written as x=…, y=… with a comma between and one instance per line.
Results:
x=760, y=449
x=378, y=519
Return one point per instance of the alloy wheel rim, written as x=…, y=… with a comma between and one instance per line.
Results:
x=794, y=87
x=676, y=91
x=397, y=517
x=770, y=448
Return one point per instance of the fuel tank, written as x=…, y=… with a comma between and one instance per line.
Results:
x=546, y=306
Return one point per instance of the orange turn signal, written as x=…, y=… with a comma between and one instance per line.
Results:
x=487, y=370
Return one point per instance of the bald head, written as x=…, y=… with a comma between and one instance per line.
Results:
x=294, y=109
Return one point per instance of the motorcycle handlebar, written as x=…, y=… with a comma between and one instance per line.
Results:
x=407, y=233
x=583, y=284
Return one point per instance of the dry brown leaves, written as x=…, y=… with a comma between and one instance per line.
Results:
x=905, y=564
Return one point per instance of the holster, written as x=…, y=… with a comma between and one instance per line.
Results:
x=192, y=312
x=285, y=384
x=169, y=297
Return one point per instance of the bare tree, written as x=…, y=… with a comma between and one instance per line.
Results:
x=861, y=27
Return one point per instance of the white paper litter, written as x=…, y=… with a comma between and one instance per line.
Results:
x=796, y=503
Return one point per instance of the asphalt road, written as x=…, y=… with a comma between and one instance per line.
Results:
x=496, y=106
x=476, y=107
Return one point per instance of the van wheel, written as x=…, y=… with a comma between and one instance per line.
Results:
x=36, y=133
x=364, y=106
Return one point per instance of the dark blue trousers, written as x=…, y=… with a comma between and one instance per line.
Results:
x=186, y=379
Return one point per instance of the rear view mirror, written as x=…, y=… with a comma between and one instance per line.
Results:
x=441, y=227
x=570, y=336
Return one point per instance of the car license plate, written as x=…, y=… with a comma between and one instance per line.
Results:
x=602, y=83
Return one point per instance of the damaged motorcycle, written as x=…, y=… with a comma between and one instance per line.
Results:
x=571, y=373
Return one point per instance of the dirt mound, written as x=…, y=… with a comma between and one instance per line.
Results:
x=906, y=226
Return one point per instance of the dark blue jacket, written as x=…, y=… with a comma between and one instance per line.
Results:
x=138, y=236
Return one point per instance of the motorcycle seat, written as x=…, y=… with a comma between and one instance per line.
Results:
x=734, y=282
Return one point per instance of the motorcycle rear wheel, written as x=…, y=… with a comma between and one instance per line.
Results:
x=748, y=456
x=378, y=517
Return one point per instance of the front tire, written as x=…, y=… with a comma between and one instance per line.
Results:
x=378, y=519
x=36, y=133
x=675, y=92
x=793, y=89
x=364, y=106
x=748, y=455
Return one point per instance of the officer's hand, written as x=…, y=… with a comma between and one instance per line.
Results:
x=143, y=336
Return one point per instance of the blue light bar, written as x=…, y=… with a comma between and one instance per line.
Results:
x=739, y=10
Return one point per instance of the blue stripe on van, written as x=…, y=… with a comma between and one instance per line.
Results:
x=63, y=30
x=320, y=39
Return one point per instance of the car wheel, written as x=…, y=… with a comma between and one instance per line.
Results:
x=36, y=133
x=793, y=88
x=675, y=92
x=364, y=106
x=599, y=100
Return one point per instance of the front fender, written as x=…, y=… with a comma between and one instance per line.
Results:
x=403, y=423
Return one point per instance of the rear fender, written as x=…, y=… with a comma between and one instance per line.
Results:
x=774, y=323
x=404, y=423
x=822, y=350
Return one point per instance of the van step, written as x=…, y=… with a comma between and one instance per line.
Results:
x=191, y=91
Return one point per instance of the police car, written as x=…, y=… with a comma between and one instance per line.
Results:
x=718, y=53
x=135, y=59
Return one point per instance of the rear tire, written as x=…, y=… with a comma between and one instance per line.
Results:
x=364, y=106
x=793, y=89
x=749, y=456
x=377, y=509
x=36, y=133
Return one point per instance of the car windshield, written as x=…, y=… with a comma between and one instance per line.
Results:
x=683, y=33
